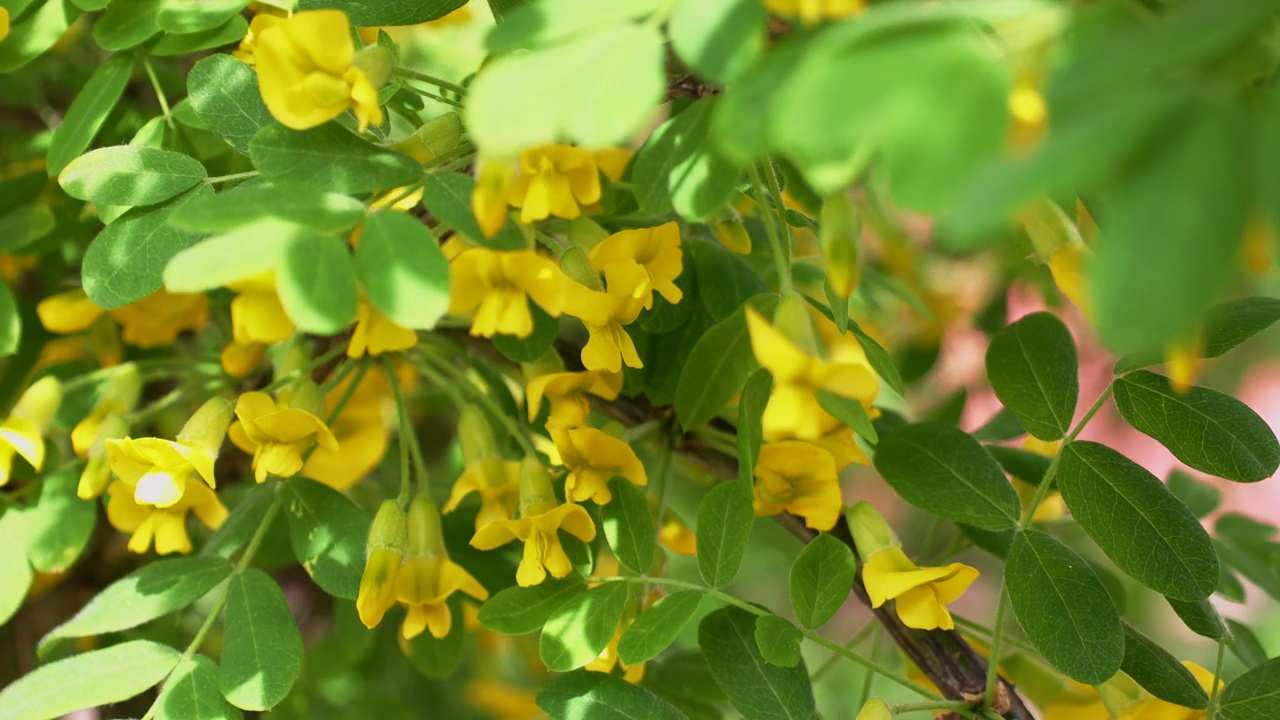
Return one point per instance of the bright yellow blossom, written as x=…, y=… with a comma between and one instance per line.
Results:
x=157, y=470
x=497, y=285
x=165, y=525
x=800, y=478
x=22, y=433
x=566, y=392
x=153, y=321
x=656, y=249
x=592, y=457
x=1157, y=709
x=811, y=12
x=554, y=180
x=428, y=577
x=383, y=554
x=97, y=471
x=375, y=333
x=257, y=315
x=489, y=197
x=277, y=436
x=306, y=75
x=119, y=395
x=498, y=483
x=921, y=594
x=249, y=43
x=605, y=313
x=1069, y=264
x=677, y=537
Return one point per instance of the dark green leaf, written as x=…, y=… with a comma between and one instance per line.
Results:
x=1063, y=608
x=821, y=578
x=387, y=12
x=755, y=395
x=262, y=652
x=88, y=680
x=402, y=269
x=58, y=526
x=328, y=533
x=581, y=627
x=879, y=359
x=329, y=158
x=1033, y=370
x=192, y=692
x=170, y=44
x=1146, y=531
x=582, y=694
x=248, y=203
x=1208, y=430
x=522, y=610
x=1245, y=645
x=224, y=94
x=941, y=469
x=1027, y=466
x=756, y=688
x=724, y=528
x=23, y=226
x=718, y=367
x=1225, y=326
x=89, y=110
x=317, y=284
x=127, y=23
x=1200, y=497
x=1200, y=616
x=679, y=168
x=628, y=525
x=1254, y=695
x=448, y=196
x=10, y=322
x=130, y=175
x=1160, y=673
x=657, y=627
x=851, y=413
x=725, y=281
x=778, y=640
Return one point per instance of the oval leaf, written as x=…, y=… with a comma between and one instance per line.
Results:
x=600, y=696
x=1064, y=608
x=657, y=627
x=821, y=578
x=59, y=524
x=1146, y=531
x=1160, y=673
x=1200, y=616
x=756, y=688
x=222, y=259
x=14, y=567
x=328, y=533
x=522, y=610
x=329, y=158
x=724, y=529
x=1033, y=370
x=317, y=284
x=192, y=692
x=448, y=196
x=719, y=364
x=89, y=110
x=778, y=640
x=130, y=175
x=1254, y=695
x=88, y=680
x=262, y=653
x=579, y=630
x=251, y=202
x=628, y=525
x=941, y=469
x=224, y=94
x=402, y=269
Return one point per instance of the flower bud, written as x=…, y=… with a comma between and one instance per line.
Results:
x=733, y=235
x=792, y=319
x=424, y=534
x=871, y=533
x=1048, y=227
x=1183, y=361
x=475, y=436
x=97, y=472
x=536, y=494
x=385, y=549
x=289, y=358
x=40, y=402
x=304, y=395
x=119, y=395
x=586, y=233
x=575, y=264
x=436, y=137
x=838, y=231
x=875, y=709
x=208, y=426
x=376, y=63
x=547, y=364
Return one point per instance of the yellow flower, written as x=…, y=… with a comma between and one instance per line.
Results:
x=502, y=700
x=489, y=197
x=800, y=478
x=361, y=432
x=657, y=249
x=498, y=483
x=257, y=315
x=1157, y=709
x=541, y=519
x=22, y=433
x=97, y=471
x=677, y=537
x=733, y=235
x=157, y=470
x=119, y=395
x=921, y=594
x=240, y=360
x=554, y=180
x=306, y=75
x=836, y=438
x=613, y=161
x=1183, y=361
x=812, y=12
x=428, y=577
x=793, y=409
x=383, y=553
x=498, y=285
x=566, y=392
x=249, y=43
x=592, y=457
x=375, y=333
x=153, y=321
x=605, y=313
x=277, y=436
x=165, y=525
x=1076, y=701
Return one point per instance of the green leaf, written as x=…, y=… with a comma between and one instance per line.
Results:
x=1033, y=370
x=821, y=578
x=1200, y=616
x=522, y=610
x=192, y=692
x=126, y=262
x=244, y=252
x=1160, y=673
x=718, y=39
x=438, y=658
x=718, y=366
x=599, y=696
x=755, y=395
x=658, y=627
x=447, y=195
x=387, y=12
x=679, y=167
x=1245, y=645
x=551, y=21
x=628, y=525
x=262, y=652
x=758, y=690
x=169, y=44
x=1199, y=497
x=88, y=680
x=58, y=526
x=851, y=413
x=1226, y=326
x=317, y=284
x=328, y=533
x=402, y=269
x=224, y=94
x=1207, y=430
x=879, y=359
x=941, y=469
x=249, y=203
x=1063, y=608
x=725, y=281
x=10, y=322
x=595, y=90
x=23, y=226
x=153, y=590
x=581, y=628
x=190, y=16
x=1146, y=531
x=778, y=640
x=89, y=110
x=1027, y=466
x=329, y=158
x=35, y=34
x=14, y=566
x=127, y=23
x=130, y=175
x=1004, y=425
x=724, y=528
x=1254, y=695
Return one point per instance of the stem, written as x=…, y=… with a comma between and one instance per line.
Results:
x=869, y=679
x=260, y=533
x=1043, y=489
x=1093, y=410
x=430, y=80
x=482, y=397
x=347, y=392
x=781, y=257
x=232, y=176
x=304, y=370
x=993, y=659
x=897, y=708
x=433, y=96
x=853, y=642
x=1217, y=674
x=405, y=427
x=155, y=85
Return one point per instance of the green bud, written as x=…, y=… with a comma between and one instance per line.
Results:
x=1048, y=227
x=475, y=436
x=388, y=528
x=304, y=395
x=536, y=494
x=436, y=137
x=376, y=62
x=208, y=426
x=424, y=533
x=838, y=232
x=871, y=533
x=792, y=318
x=875, y=709
x=586, y=233
x=575, y=264
x=122, y=390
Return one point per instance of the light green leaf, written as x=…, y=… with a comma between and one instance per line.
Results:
x=657, y=627
x=169, y=44
x=89, y=110
x=190, y=16
x=244, y=252
x=522, y=610
x=192, y=692
x=1160, y=673
x=127, y=23
x=130, y=175
x=317, y=284
x=548, y=22
x=153, y=590
x=250, y=202
x=941, y=469
x=329, y=158
x=755, y=395
x=1205, y=429
x=679, y=168
x=224, y=94
x=14, y=566
x=262, y=652
x=32, y=36
x=127, y=260
x=1063, y=608
x=581, y=628
x=821, y=578
x=628, y=525
x=328, y=533
x=23, y=226
x=1246, y=645
x=596, y=90
x=387, y=12
x=599, y=696
x=402, y=269
x=718, y=366
x=756, y=688
x=448, y=196
x=1254, y=695
x=718, y=39
x=10, y=322
x=1146, y=531
x=724, y=529
x=1033, y=370
x=778, y=640
x=59, y=524
x=88, y=680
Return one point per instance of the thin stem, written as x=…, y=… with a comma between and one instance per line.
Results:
x=336, y=379
x=430, y=80
x=974, y=627
x=779, y=207
x=897, y=708
x=348, y=392
x=850, y=645
x=405, y=427
x=155, y=85
x=781, y=258
x=305, y=369
x=432, y=96
x=869, y=679
x=233, y=176
x=660, y=483
x=260, y=533
x=1093, y=410
x=993, y=660
x=1217, y=674
x=1045, y=483
x=483, y=398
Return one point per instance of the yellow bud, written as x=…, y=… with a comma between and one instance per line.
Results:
x=733, y=235
x=1183, y=361
x=208, y=426
x=40, y=402
x=536, y=493
x=122, y=390
x=871, y=533
x=875, y=709
x=475, y=436
x=424, y=534
x=376, y=62
x=838, y=232
x=97, y=472
x=385, y=549
x=576, y=265
x=436, y=137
